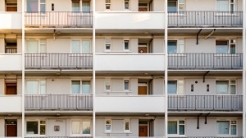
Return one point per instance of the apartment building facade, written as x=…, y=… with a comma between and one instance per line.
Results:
x=122, y=68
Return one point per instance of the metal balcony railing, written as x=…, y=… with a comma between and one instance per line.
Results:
x=11, y=50
x=58, y=60
x=58, y=102
x=205, y=61
x=205, y=19
x=61, y=19
x=205, y=102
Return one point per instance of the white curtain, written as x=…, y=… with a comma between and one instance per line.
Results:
x=222, y=87
x=86, y=87
x=42, y=86
x=75, y=46
x=75, y=87
x=32, y=46
x=86, y=46
x=75, y=127
x=222, y=5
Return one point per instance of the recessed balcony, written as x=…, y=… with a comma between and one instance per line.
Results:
x=58, y=102
x=58, y=61
x=201, y=61
x=56, y=19
x=183, y=19
x=205, y=102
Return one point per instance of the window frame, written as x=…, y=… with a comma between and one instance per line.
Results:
x=178, y=90
x=178, y=5
x=124, y=127
x=108, y=43
x=107, y=3
x=80, y=7
x=229, y=10
x=105, y=84
x=230, y=125
x=230, y=42
x=80, y=86
x=125, y=5
x=180, y=46
x=39, y=85
x=110, y=124
x=80, y=45
x=81, y=127
x=178, y=125
x=39, y=124
x=125, y=120
x=229, y=86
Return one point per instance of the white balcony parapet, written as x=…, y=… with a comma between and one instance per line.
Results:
x=10, y=62
x=10, y=20
x=10, y=103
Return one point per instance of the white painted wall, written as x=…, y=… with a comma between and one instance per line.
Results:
x=10, y=62
x=13, y=106
x=12, y=20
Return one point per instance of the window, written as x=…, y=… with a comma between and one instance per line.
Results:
x=226, y=46
x=81, y=127
x=126, y=3
x=227, y=127
x=36, y=46
x=175, y=46
x=126, y=85
x=35, y=127
x=107, y=44
x=176, y=6
x=79, y=87
x=108, y=4
x=79, y=46
x=117, y=125
x=175, y=87
x=226, y=6
x=77, y=7
x=36, y=87
x=126, y=45
x=36, y=5
x=226, y=87
x=107, y=85
x=176, y=127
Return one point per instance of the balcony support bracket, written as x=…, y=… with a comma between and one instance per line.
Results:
x=206, y=117
x=205, y=76
x=198, y=121
x=197, y=35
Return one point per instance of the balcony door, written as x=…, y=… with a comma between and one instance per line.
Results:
x=11, y=128
x=10, y=86
x=142, y=89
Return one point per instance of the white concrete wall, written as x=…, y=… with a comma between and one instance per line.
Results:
x=12, y=20
x=10, y=62
x=13, y=104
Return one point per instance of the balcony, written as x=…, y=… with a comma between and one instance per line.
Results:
x=12, y=20
x=130, y=62
x=12, y=104
x=59, y=20
x=130, y=104
x=130, y=20
x=58, y=61
x=10, y=62
x=58, y=102
x=205, y=19
x=205, y=102
x=201, y=61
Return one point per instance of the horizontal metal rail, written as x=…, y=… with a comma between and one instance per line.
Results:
x=58, y=102
x=204, y=137
x=58, y=61
x=10, y=50
x=205, y=19
x=59, y=19
x=61, y=137
x=205, y=102
x=205, y=61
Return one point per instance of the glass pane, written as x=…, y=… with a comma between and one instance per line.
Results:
x=32, y=127
x=181, y=129
x=223, y=127
x=75, y=127
x=32, y=5
x=172, y=87
x=42, y=1
x=86, y=128
x=75, y=87
x=32, y=87
x=75, y=7
x=32, y=46
x=107, y=46
x=232, y=49
x=108, y=127
x=86, y=85
x=86, y=6
x=75, y=46
x=172, y=47
x=181, y=122
x=221, y=49
x=126, y=85
x=222, y=5
x=42, y=8
x=42, y=129
x=42, y=87
x=86, y=47
x=233, y=130
x=172, y=7
x=222, y=87
x=172, y=127
x=127, y=126
x=233, y=89
x=126, y=45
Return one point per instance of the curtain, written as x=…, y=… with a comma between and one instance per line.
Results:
x=222, y=5
x=172, y=127
x=172, y=7
x=75, y=6
x=75, y=127
x=75, y=87
x=32, y=46
x=86, y=127
x=42, y=87
x=223, y=127
x=42, y=46
x=32, y=87
x=172, y=87
x=86, y=87
x=75, y=46
x=86, y=46
x=222, y=87
x=32, y=6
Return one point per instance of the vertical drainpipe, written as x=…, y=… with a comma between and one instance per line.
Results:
x=23, y=69
x=94, y=71
x=166, y=72
x=244, y=66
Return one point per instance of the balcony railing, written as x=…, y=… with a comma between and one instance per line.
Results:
x=61, y=137
x=60, y=19
x=58, y=102
x=205, y=19
x=206, y=137
x=58, y=61
x=11, y=50
x=205, y=102
x=205, y=61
